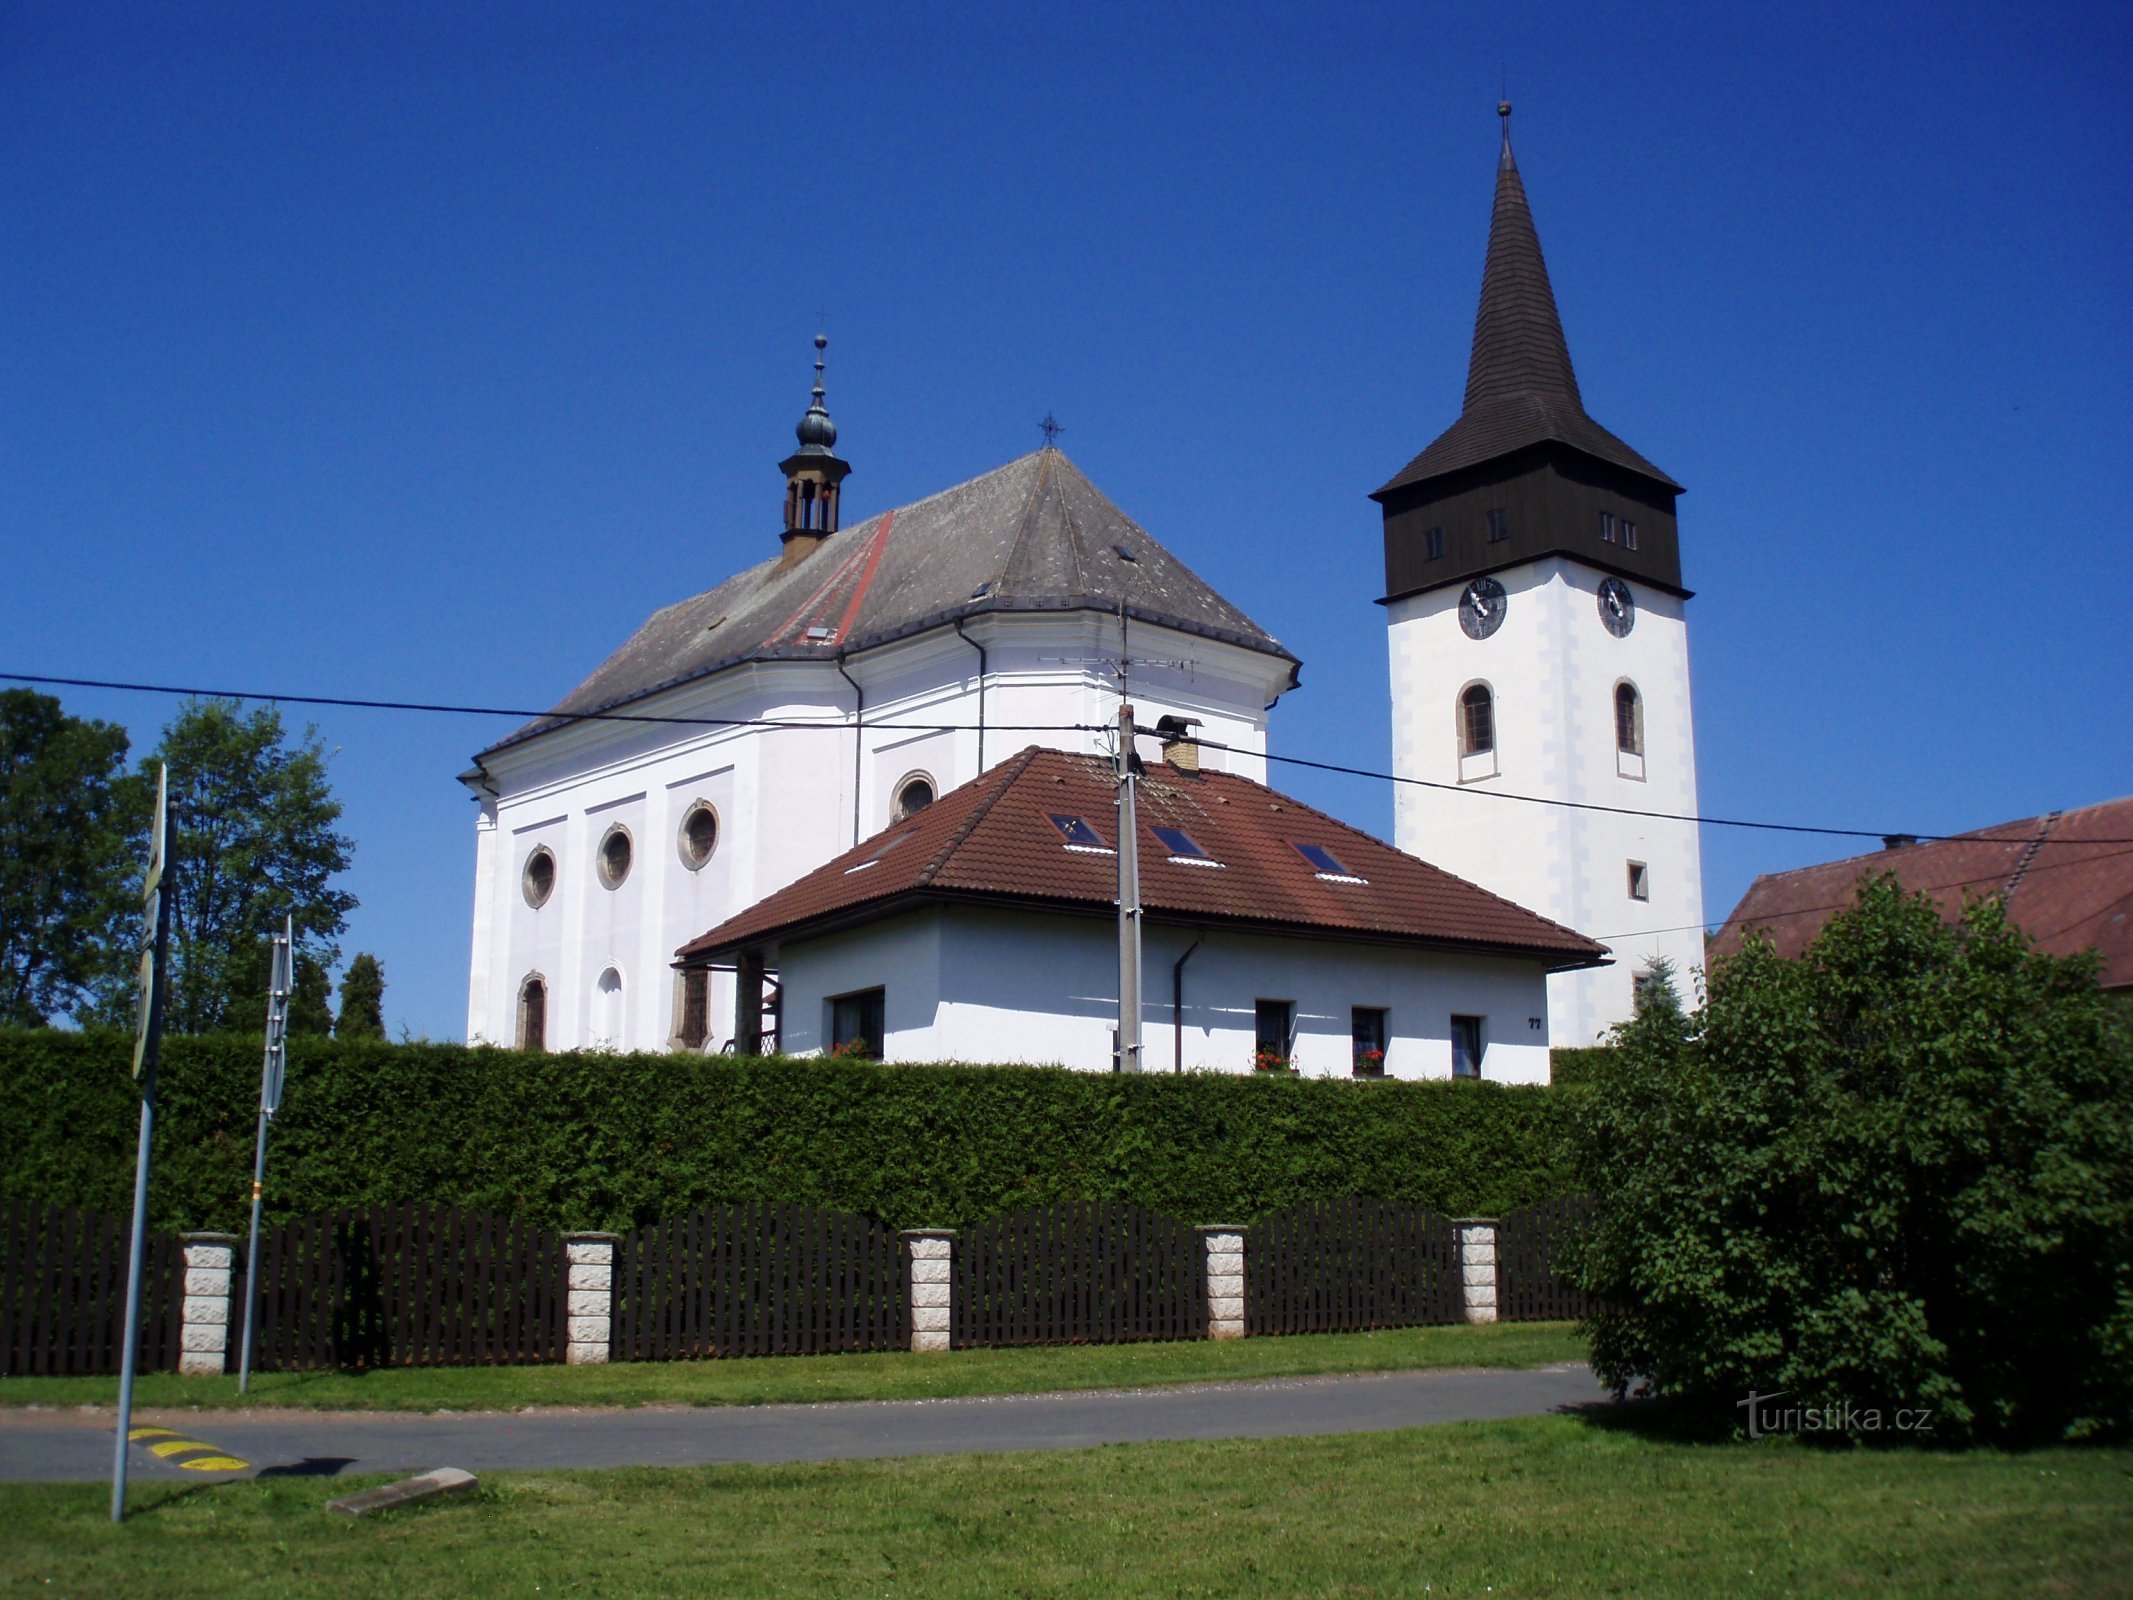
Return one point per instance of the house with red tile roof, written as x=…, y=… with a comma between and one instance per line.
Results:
x=2066, y=879
x=984, y=928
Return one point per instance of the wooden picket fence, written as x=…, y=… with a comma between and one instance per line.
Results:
x=758, y=1279
x=1350, y=1263
x=63, y=1292
x=400, y=1286
x=1078, y=1272
x=1527, y=1242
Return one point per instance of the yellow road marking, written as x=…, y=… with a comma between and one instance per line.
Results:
x=166, y=1444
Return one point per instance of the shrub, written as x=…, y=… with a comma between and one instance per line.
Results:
x=1895, y=1172
x=608, y=1141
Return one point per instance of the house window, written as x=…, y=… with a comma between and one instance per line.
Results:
x=1366, y=1033
x=699, y=835
x=856, y=1025
x=1629, y=534
x=1183, y=847
x=1477, y=720
x=1640, y=882
x=1629, y=720
x=1077, y=833
x=615, y=853
x=913, y=794
x=1607, y=527
x=695, y=985
x=538, y=880
x=1271, y=1024
x=533, y=1014
x=1433, y=544
x=1466, y=1047
x=1499, y=525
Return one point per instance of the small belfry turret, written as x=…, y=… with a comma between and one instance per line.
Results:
x=813, y=473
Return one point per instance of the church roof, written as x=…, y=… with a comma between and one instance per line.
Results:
x=995, y=840
x=1520, y=387
x=2066, y=879
x=1034, y=535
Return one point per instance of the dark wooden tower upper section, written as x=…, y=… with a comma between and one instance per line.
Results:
x=1524, y=472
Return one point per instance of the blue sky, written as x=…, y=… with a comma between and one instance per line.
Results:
x=418, y=353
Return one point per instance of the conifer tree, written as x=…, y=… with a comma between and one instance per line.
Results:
x=311, y=1000
x=362, y=1000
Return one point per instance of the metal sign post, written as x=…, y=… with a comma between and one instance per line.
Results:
x=281, y=979
x=1129, y=903
x=147, y=1045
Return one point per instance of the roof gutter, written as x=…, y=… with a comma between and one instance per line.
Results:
x=859, y=711
x=982, y=672
x=1177, y=1004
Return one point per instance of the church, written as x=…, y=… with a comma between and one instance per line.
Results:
x=700, y=803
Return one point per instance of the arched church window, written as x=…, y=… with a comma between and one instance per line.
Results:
x=1477, y=720
x=699, y=835
x=607, y=1010
x=1629, y=720
x=913, y=794
x=616, y=851
x=533, y=1013
x=537, y=882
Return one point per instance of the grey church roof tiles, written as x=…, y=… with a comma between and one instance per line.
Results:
x=1034, y=535
x=1520, y=387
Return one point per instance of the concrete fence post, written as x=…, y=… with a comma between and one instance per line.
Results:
x=1225, y=1279
x=929, y=1285
x=591, y=1288
x=204, y=1320
x=1477, y=1266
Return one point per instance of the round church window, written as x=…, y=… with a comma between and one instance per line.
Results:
x=538, y=880
x=615, y=850
x=699, y=835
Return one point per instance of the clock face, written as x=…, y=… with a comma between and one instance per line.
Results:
x=1617, y=608
x=1482, y=607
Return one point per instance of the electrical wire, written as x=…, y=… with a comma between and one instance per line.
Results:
x=564, y=718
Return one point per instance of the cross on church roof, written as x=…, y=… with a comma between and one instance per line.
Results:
x=1051, y=427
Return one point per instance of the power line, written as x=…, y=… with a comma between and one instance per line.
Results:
x=562, y=718
x=1624, y=811
x=557, y=717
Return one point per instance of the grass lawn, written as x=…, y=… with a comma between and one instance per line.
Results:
x=887, y=1376
x=1540, y=1507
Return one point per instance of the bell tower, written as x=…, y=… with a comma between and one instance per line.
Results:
x=813, y=474
x=1539, y=650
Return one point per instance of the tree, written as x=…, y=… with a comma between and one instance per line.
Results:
x=311, y=999
x=70, y=858
x=1894, y=1174
x=362, y=1000
x=254, y=820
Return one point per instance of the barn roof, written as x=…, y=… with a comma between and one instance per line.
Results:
x=1039, y=830
x=2066, y=878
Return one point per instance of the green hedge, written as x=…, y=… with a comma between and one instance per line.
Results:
x=606, y=1141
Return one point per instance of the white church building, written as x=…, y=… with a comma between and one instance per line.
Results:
x=744, y=738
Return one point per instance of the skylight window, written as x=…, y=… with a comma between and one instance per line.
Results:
x=1325, y=864
x=821, y=635
x=879, y=851
x=1077, y=833
x=982, y=590
x=1124, y=554
x=1183, y=848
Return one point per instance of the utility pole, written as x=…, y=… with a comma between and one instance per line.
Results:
x=147, y=1046
x=1129, y=903
x=281, y=980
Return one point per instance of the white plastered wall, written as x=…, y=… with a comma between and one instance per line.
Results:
x=1553, y=668
x=1002, y=986
x=785, y=796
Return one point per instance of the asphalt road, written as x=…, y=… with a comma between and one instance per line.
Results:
x=75, y=1445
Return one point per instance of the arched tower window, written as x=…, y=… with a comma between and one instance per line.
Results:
x=1477, y=720
x=1629, y=720
x=533, y=1013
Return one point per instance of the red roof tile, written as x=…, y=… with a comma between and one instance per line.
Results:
x=2067, y=878
x=993, y=840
